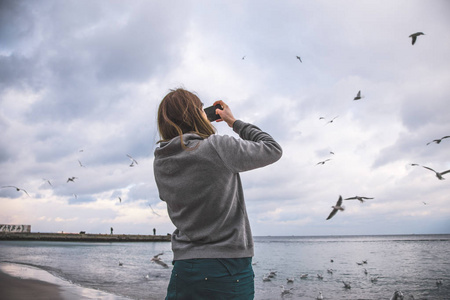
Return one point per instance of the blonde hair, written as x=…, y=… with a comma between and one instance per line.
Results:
x=181, y=112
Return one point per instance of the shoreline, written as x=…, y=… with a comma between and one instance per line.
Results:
x=17, y=288
x=23, y=282
x=82, y=237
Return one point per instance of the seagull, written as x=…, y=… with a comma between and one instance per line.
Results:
x=414, y=36
x=120, y=200
x=243, y=57
x=298, y=57
x=397, y=296
x=331, y=121
x=365, y=271
x=272, y=274
x=336, y=208
x=438, y=282
x=304, y=276
x=359, y=263
x=47, y=181
x=374, y=279
x=76, y=196
x=438, y=141
x=158, y=260
x=285, y=291
x=290, y=280
x=266, y=278
x=361, y=199
x=346, y=285
x=320, y=276
x=358, y=96
x=81, y=165
x=154, y=211
x=320, y=297
x=17, y=189
x=71, y=179
x=364, y=261
x=424, y=203
x=438, y=174
x=133, y=161
x=120, y=264
x=330, y=271
x=323, y=162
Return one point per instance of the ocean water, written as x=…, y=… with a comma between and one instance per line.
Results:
x=408, y=263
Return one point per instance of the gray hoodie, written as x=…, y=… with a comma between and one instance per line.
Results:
x=203, y=191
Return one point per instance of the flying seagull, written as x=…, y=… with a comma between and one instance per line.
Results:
x=81, y=165
x=298, y=57
x=154, y=211
x=361, y=199
x=133, y=161
x=414, y=36
x=71, y=179
x=336, y=207
x=438, y=141
x=120, y=200
x=438, y=174
x=323, y=162
x=47, y=181
x=331, y=121
x=243, y=57
x=17, y=189
x=158, y=260
x=358, y=96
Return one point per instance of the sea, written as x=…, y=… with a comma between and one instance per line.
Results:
x=374, y=267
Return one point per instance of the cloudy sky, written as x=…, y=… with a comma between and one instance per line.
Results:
x=80, y=83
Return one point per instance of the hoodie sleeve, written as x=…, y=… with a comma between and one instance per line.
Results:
x=255, y=149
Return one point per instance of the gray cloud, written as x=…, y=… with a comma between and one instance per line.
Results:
x=90, y=75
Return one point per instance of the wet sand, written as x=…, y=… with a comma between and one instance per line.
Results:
x=17, y=288
x=18, y=281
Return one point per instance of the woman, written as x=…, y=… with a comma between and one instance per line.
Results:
x=197, y=175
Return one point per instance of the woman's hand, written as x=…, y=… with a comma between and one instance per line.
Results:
x=225, y=113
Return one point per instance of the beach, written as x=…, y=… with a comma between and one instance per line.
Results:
x=17, y=288
x=18, y=281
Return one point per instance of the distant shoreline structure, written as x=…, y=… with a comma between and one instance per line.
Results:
x=81, y=237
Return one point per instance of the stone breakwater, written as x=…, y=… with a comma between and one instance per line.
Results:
x=82, y=237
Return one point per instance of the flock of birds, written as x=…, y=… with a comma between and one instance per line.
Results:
x=286, y=290
x=338, y=206
x=133, y=162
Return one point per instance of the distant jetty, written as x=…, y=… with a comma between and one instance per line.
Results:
x=82, y=237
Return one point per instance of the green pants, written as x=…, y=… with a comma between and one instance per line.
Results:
x=212, y=279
